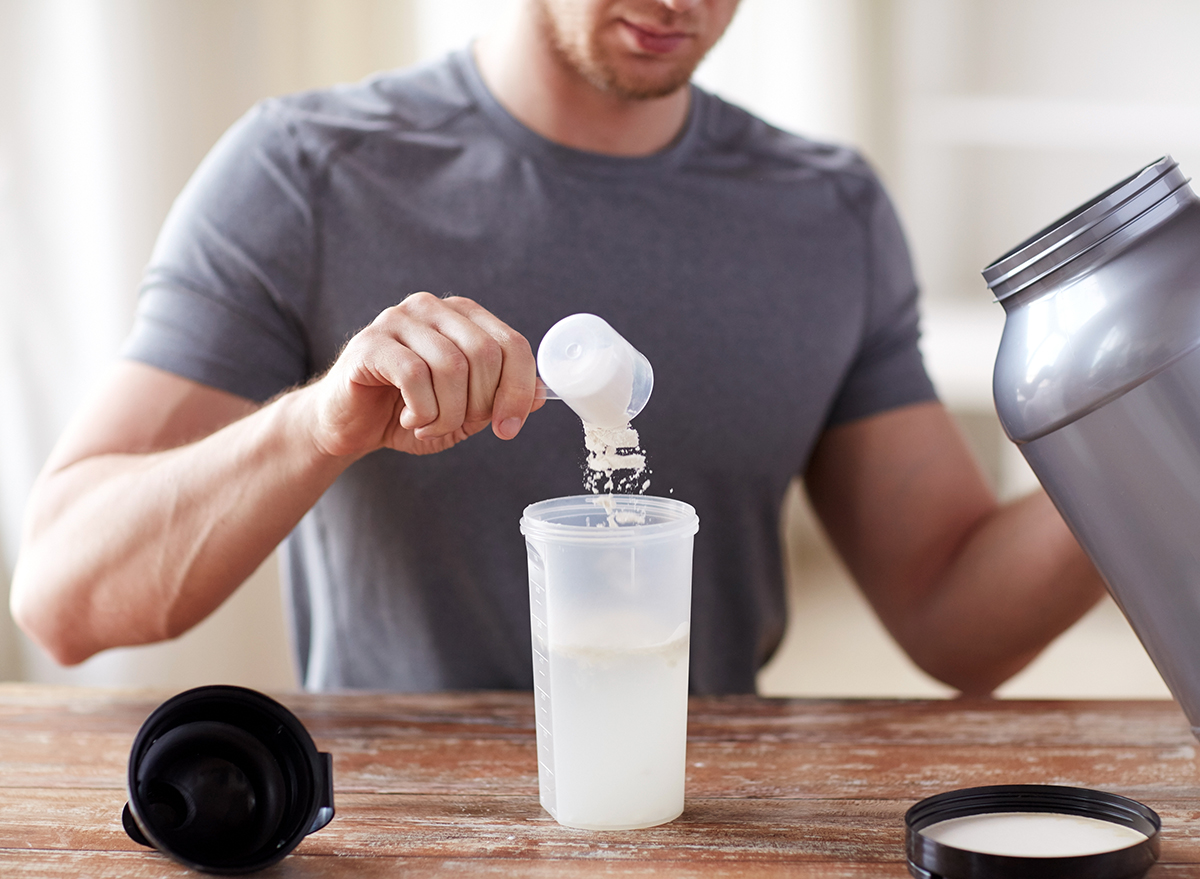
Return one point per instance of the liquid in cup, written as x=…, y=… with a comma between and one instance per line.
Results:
x=610, y=605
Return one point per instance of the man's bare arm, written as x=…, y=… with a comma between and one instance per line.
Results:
x=153, y=508
x=164, y=495
x=971, y=589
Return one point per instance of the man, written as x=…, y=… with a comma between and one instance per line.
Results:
x=566, y=165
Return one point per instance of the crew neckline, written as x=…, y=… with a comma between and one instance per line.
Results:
x=529, y=141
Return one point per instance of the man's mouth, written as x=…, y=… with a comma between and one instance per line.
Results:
x=657, y=41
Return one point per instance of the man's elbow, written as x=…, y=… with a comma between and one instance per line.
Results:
x=971, y=674
x=47, y=625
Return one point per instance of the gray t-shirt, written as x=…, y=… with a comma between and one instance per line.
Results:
x=763, y=275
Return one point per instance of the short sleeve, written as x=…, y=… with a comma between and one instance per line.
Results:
x=888, y=370
x=222, y=299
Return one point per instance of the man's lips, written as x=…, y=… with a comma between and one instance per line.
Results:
x=655, y=41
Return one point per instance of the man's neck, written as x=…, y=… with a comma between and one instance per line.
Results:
x=530, y=81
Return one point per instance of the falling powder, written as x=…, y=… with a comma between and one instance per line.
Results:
x=615, y=460
x=619, y=517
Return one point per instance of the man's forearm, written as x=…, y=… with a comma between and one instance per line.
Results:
x=1016, y=583
x=971, y=589
x=131, y=548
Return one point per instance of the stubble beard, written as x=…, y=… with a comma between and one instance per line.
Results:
x=588, y=57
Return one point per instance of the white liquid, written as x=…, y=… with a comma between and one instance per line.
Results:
x=619, y=718
x=1033, y=834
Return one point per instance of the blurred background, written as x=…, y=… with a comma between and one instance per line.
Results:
x=987, y=119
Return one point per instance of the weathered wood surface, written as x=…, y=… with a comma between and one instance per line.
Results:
x=446, y=784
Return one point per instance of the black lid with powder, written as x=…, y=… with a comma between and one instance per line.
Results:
x=931, y=859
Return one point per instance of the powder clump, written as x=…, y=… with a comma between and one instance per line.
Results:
x=615, y=462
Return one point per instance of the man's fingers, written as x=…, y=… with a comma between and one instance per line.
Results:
x=448, y=374
x=456, y=366
x=481, y=338
x=455, y=363
x=380, y=359
x=512, y=387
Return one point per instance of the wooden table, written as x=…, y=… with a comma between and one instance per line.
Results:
x=447, y=784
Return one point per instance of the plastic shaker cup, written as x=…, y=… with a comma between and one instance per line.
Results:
x=610, y=582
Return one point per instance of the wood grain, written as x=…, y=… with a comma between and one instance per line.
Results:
x=446, y=784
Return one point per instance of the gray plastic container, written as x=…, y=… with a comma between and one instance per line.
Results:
x=1098, y=381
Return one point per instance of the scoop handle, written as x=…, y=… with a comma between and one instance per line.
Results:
x=542, y=392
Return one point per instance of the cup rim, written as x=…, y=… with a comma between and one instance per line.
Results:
x=678, y=519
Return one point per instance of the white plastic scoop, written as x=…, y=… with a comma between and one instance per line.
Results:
x=589, y=366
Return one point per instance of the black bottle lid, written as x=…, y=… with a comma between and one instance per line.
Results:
x=225, y=780
x=931, y=859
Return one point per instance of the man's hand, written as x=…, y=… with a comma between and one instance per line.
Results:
x=426, y=374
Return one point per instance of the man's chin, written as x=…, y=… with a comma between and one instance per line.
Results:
x=645, y=87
